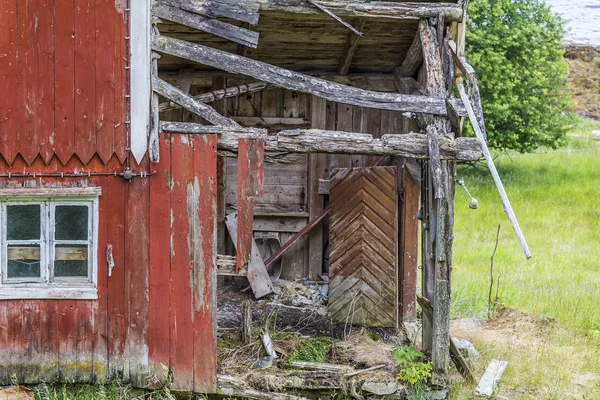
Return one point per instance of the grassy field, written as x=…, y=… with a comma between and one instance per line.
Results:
x=552, y=342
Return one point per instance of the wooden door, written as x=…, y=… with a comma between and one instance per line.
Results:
x=363, y=238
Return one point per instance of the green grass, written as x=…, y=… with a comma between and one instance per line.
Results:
x=556, y=197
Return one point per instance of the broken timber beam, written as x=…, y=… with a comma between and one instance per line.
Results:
x=300, y=82
x=222, y=29
x=368, y=9
x=221, y=94
x=240, y=10
x=350, y=47
x=412, y=61
x=189, y=103
x=411, y=145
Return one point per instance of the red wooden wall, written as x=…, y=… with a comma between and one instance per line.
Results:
x=63, y=79
x=157, y=307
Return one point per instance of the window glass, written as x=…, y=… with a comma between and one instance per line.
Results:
x=71, y=223
x=71, y=260
x=23, y=261
x=23, y=222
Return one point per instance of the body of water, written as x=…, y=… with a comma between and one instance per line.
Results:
x=583, y=19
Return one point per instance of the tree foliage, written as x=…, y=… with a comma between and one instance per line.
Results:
x=515, y=48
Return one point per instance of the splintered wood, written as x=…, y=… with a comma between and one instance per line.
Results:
x=364, y=250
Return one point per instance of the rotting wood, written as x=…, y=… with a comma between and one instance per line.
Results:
x=233, y=387
x=335, y=17
x=258, y=277
x=350, y=47
x=221, y=94
x=494, y=172
x=369, y=9
x=153, y=144
x=461, y=364
x=226, y=266
x=189, y=103
x=241, y=10
x=222, y=29
x=362, y=371
x=300, y=82
x=316, y=366
x=272, y=121
x=412, y=61
x=246, y=322
x=411, y=145
x=489, y=381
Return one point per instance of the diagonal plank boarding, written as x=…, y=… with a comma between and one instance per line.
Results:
x=363, y=239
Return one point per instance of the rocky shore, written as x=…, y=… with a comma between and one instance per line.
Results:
x=584, y=79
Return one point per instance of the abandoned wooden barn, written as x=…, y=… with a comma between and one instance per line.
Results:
x=146, y=148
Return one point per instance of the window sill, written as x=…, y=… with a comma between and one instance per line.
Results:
x=40, y=292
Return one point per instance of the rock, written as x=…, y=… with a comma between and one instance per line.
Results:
x=467, y=324
x=596, y=133
x=437, y=394
x=380, y=388
x=466, y=348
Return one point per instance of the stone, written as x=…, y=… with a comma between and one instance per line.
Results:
x=466, y=348
x=380, y=388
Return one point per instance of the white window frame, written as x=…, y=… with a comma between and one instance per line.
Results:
x=48, y=287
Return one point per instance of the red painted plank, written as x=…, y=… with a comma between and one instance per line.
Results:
x=9, y=105
x=250, y=183
x=410, y=249
x=160, y=261
x=85, y=97
x=205, y=258
x=121, y=57
x=118, y=317
x=14, y=317
x=45, y=83
x=28, y=69
x=30, y=336
x=85, y=344
x=105, y=78
x=5, y=349
x=137, y=213
x=49, y=339
x=182, y=335
x=64, y=83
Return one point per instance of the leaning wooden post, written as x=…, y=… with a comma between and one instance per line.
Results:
x=246, y=322
x=437, y=205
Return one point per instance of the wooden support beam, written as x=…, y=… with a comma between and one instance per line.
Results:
x=222, y=29
x=412, y=61
x=299, y=82
x=335, y=142
x=240, y=10
x=335, y=17
x=190, y=104
x=368, y=9
x=221, y=94
x=350, y=47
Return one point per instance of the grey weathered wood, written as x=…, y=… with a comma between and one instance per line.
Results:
x=232, y=387
x=494, y=172
x=412, y=61
x=271, y=121
x=258, y=277
x=461, y=364
x=335, y=17
x=189, y=103
x=221, y=94
x=473, y=86
x=153, y=144
x=222, y=29
x=335, y=142
x=300, y=82
x=226, y=266
x=246, y=322
x=350, y=47
x=489, y=381
x=369, y=9
x=316, y=366
x=241, y=10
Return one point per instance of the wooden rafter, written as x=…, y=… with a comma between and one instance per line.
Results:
x=189, y=103
x=240, y=10
x=412, y=61
x=301, y=82
x=369, y=9
x=335, y=142
x=350, y=47
x=222, y=29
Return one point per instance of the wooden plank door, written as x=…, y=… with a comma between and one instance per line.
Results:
x=363, y=258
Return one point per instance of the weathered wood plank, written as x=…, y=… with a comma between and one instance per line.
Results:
x=189, y=103
x=409, y=247
x=489, y=381
x=350, y=47
x=369, y=9
x=299, y=82
x=105, y=78
x=335, y=142
x=412, y=61
x=9, y=73
x=222, y=29
x=241, y=10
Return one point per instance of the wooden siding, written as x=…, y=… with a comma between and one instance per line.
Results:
x=363, y=278
x=63, y=71
x=157, y=306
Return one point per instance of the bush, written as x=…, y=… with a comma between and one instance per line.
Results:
x=515, y=48
x=413, y=367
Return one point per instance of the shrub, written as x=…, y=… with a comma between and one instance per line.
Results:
x=413, y=366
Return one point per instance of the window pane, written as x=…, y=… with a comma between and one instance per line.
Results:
x=23, y=222
x=71, y=260
x=71, y=223
x=23, y=261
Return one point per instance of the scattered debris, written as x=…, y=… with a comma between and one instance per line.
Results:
x=361, y=350
x=491, y=377
x=17, y=393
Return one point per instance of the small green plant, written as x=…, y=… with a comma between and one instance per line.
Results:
x=413, y=366
x=312, y=349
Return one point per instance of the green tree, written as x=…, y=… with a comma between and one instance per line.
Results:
x=515, y=48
